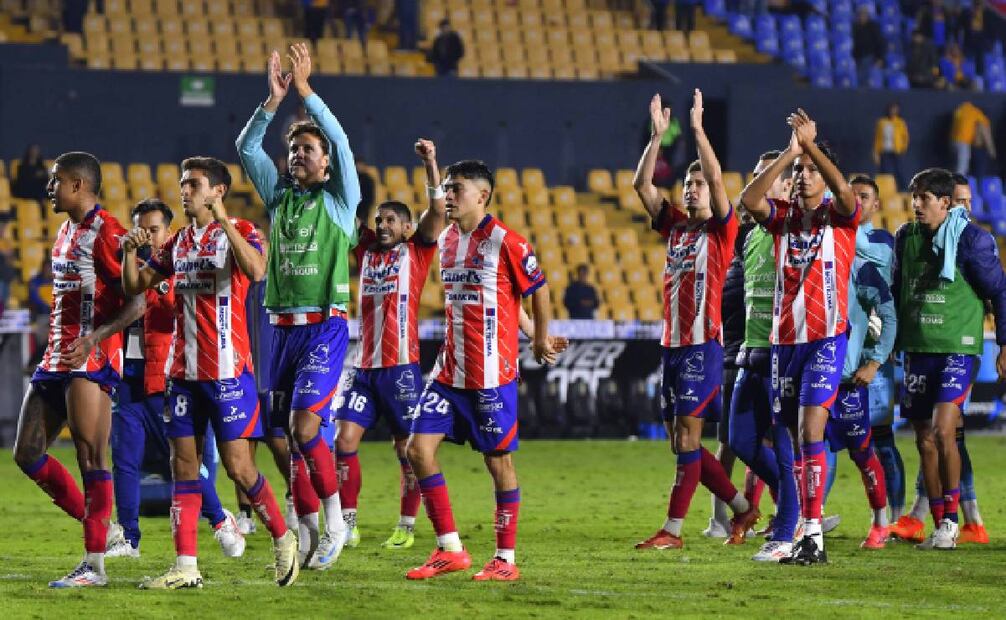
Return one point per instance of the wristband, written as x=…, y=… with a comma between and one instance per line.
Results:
x=435, y=193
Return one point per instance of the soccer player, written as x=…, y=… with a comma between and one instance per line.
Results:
x=751, y=422
x=699, y=249
x=486, y=268
x=386, y=379
x=82, y=362
x=815, y=242
x=138, y=430
x=944, y=267
x=210, y=262
x=313, y=215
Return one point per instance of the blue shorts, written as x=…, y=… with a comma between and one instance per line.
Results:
x=51, y=386
x=932, y=378
x=487, y=419
x=849, y=420
x=269, y=427
x=230, y=405
x=691, y=382
x=306, y=364
x=882, y=396
x=370, y=393
x=805, y=375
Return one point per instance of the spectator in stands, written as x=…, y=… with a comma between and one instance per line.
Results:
x=890, y=141
x=868, y=43
x=39, y=298
x=32, y=176
x=368, y=189
x=971, y=128
x=684, y=15
x=408, y=23
x=975, y=38
x=658, y=14
x=922, y=61
x=581, y=299
x=932, y=21
x=315, y=15
x=356, y=18
x=953, y=68
x=73, y=15
x=447, y=50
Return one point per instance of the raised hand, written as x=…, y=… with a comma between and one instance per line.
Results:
x=696, y=115
x=216, y=207
x=279, y=84
x=300, y=61
x=804, y=129
x=135, y=239
x=659, y=116
x=426, y=150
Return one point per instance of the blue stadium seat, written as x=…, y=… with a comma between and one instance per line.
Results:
x=891, y=28
x=740, y=26
x=996, y=84
x=841, y=13
x=994, y=207
x=978, y=210
x=973, y=184
x=870, y=4
x=820, y=6
x=764, y=23
x=816, y=26
x=767, y=43
x=821, y=79
x=875, y=78
x=843, y=63
x=791, y=44
x=897, y=80
x=991, y=186
x=845, y=78
x=789, y=25
x=715, y=8
x=999, y=227
x=843, y=26
x=895, y=62
x=994, y=65
x=796, y=59
x=890, y=10
x=818, y=58
x=841, y=42
x=819, y=44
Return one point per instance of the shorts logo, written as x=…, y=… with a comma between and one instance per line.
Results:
x=234, y=415
x=695, y=362
x=491, y=427
x=822, y=383
x=852, y=401
x=689, y=395
x=229, y=389
x=317, y=360
x=827, y=353
x=489, y=401
x=955, y=361
x=406, y=381
x=309, y=388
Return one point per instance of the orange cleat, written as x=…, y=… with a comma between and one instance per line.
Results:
x=498, y=570
x=909, y=529
x=661, y=540
x=740, y=525
x=441, y=562
x=876, y=539
x=973, y=533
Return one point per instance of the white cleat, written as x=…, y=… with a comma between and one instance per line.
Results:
x=928, y=544
x=84, y=576
x=329, y=549
x=114, y=535
x=716, y=529
x=945, y=536
x=246, y=525
x=227, y=533
x=291, y=515
x=122, y=549
x=829, y=523
x=177, y=578
x=287, y=567
x=773, y=551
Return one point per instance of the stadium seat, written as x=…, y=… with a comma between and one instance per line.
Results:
x=599, y=181
x=897, y=80
x=887, y=185
x=740, y=25
x=991, y=185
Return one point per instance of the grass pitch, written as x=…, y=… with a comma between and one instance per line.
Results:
x=585, y=504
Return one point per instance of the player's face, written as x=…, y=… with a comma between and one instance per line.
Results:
x=807, y=179
x=962, y=196
x=153, y=222
x=464, y=196
x=868, y=200
x=696, y=193
x=62, y=189
x=306, y=160
x=930, y=211
x=196, y=191
x=391, y=229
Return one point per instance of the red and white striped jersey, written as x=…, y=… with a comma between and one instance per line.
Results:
x=86, y=291
x=814, y=250
x=696, y=266
x=211, y=333
x=485, y=273
x=391, y=283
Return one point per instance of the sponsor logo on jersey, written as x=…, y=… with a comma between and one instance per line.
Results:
x=234, y=415
x=198, y=264
x=827, y=353
x=297, y=247
x=458, y=275
x=385, y=288
x=531, y=267
x=852, y=402
x=689, y=395
x=317, y=359
x=287, y=268
x=229, y=389
x=406, y=381
x=491, y=426
x=309, y=388
x=489, y=401
x=930, y=319
x=823, y=382
x=695, y=362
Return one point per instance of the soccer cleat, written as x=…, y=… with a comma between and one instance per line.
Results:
x=928, y=544
x=227, y=533
x=773, y=551
x=114, y=535
x=829, y=523
x=246, y=525
x=353, y=537
x=945, y=536
x=291, y=514
x=876, y=539
x=84, y=576
x=441, y=562
x=716, y=529
x=401, y=538
x=908, y=528
x=805, y=553
x=122, y=549
x=310, y=537
x=498, y=569
x=661, y=540
x=176, y=578
x=287, y=567
x=973, y=533
x=329, y=548
x=740, y=524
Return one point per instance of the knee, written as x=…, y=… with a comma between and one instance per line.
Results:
x=345, y=444
x=945, y=436
x=414, y=452
x=242, y=473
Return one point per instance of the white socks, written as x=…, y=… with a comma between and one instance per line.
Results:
x=334, y=525
x=450, y=542
x=506, y=555
x=739, y=504
x=673, y=526
x=97, y=562
x=185, y=561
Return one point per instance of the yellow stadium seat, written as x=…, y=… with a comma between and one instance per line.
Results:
x=539, y=71
x=403, y=194
x=567, y=219
x=563, y=196
x=894, y=221
x=887, y=185
x=94, y=24
x=605, y=40
x=576, y=254
x=628, y=200
x=123, y=44
x=396, y=176
x=628, y=40
x=539, y=218
x=140, y=191
x=725, y=56
x=507, y=19
x=113, y=190
x=588, y=73
x=200, y=48
x=534, y=37
x=636, y=275
x=537, y=196
x=484, y=21
x=597, y=237
x=167, y=7
x=532, y=178
x=626, y=238
x=218, y=8
x=145, y=27
x=120, y=24
x=584, y=57
x=733, y=182
x=674, y=39
x=489, y=54
x=548, y=255
x=141, y=7
x=272, y=27
x=171, y=27
x=149, y=46
x=601, y=20
x=564, y=71
x=606, y=276
x=138, y=173
x=198, y=29
x=701, y=54
x=623, y=313
x=99, y=61
x=624, y=179
x=530, y=18
x=599, y=181
x=557, y=36
x=377, y=50
x=562, y=60
x=506, y=177
x=698, y=39
x=509, y=195
x=679, y=55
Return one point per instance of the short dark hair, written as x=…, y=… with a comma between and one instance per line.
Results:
x=960, y=179
x=769, y=155
x=695, y=166
x=149, y=205
x=215, y=170
x=308, y=127
x=83, y=165
x=938, y=181
x=826, y=150
x=862, y=179
x=399, y=208
x=473, y=170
